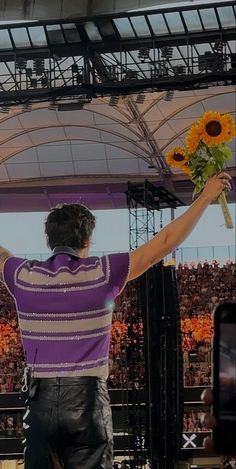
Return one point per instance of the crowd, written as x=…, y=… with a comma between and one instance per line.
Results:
x=201, y=287
x=11, y=425
x=197, y=375
x=11, y=353
x=126, y=346
x=192, y=422
x=229, y=463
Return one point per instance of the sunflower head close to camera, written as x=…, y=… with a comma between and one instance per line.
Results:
x=215, y=128
x=177, y=157
x=194, y=137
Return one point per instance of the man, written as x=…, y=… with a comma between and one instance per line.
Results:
x=65, y=310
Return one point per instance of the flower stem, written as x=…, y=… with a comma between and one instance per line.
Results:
x=225, y=209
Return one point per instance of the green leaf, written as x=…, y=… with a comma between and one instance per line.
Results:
x=208, y=171
x=227, y=152
x=198, y=187
x=217, y=154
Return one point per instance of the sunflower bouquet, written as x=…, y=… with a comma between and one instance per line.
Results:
x=206, y=153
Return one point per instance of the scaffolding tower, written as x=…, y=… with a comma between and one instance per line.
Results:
x=143, y=200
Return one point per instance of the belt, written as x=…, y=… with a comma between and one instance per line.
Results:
x=69, y=381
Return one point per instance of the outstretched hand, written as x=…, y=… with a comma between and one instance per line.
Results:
x=215, y=185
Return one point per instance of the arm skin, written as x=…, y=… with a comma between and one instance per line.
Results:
x=4, y=254
x=177, y=231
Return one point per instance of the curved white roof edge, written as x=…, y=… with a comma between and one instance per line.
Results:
x=63, y=9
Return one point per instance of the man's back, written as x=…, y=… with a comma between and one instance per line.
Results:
x=64, y=308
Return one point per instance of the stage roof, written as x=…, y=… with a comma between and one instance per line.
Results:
x=77, y=134
x=50, y=156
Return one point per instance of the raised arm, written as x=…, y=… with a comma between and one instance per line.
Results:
x=178, y=230
x=4, y=254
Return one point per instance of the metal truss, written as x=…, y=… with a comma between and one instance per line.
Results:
x=117, y=55
x=142, y=200
x=163, y=368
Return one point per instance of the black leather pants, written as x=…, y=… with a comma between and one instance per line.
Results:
x=68, y=424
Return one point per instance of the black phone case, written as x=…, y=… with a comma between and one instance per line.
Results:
x=225, y=432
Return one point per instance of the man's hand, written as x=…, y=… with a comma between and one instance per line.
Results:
x=142, y=258
x=215, y=185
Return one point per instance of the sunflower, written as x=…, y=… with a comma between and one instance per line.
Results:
x=215, y=128
x=231, y=131
x=177, y=157
x=194, y=137
x=186, y=169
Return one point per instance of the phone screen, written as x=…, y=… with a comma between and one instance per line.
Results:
x=227, y=371
x=224, y=377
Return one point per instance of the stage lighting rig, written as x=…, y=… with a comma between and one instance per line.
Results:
x=21, y=64
x=38, y=66
x=219, y=47
x=143, y=54
x=210, y=61
x=167, y=53
x=179, y=70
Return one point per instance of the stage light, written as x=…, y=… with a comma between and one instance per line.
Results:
x=211, y=61
x=140, y=98
x=39, y=67
x=113, y=100
x=169, y=95
x=219, y=46
x=21, y=63
x=5, y=109
x=27, y=107
x=167, y=52
x=33, y=83
x=179, y=70
x=143, y=54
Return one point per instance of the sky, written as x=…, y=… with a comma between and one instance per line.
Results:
x=23, y=233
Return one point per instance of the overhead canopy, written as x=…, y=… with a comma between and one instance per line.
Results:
x=78, y=135
x=62, y=9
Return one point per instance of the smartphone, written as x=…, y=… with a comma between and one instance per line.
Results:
x=224, y=378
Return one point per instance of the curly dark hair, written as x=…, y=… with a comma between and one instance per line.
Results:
x=69, y=225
